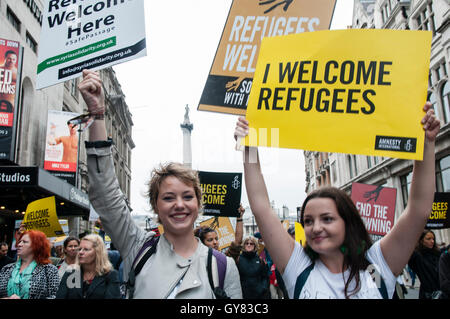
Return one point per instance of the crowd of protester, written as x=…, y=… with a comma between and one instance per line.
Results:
x=338, y=260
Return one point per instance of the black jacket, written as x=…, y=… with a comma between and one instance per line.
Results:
x=102, y=287
x=425, y=263
x=6, y=260
x=254, y=275
x=444, y=272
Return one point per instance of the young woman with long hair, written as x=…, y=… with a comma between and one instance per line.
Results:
x=339, y=250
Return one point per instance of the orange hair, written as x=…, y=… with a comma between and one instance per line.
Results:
x=40, y=246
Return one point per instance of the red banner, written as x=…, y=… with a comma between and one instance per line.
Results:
x=376, y=205
x=6, y=119
x=58, y=166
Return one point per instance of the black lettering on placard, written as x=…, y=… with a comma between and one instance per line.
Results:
x=439, y=217
x=69, y=12
x=354, y=98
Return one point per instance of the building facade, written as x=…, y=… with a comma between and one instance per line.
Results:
x=21, y=20
x=341, y=170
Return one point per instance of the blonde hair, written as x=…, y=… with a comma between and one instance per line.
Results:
x=183, y=173
x=253, y=240
x=102, y=263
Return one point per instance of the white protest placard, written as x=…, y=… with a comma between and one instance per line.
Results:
x=79, y=35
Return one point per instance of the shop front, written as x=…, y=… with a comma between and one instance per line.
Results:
x=20, y=185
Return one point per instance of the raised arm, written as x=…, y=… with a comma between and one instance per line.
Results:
x=277, y=241
x=92, y=92
x=239, y=234
x=104, y=189
x=398, y=245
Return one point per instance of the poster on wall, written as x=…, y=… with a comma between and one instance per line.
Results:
x=376, y=205
x=79, y=35
x=61, y=146
x=10, y=75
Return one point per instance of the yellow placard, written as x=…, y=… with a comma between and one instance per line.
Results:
x=300, y=234
x=224, y=230
x=41, y=215
x=343, y=91
x=161, y=229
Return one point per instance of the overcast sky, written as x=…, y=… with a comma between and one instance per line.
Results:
x=182, y=38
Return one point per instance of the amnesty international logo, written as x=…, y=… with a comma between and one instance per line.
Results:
x=236, y=184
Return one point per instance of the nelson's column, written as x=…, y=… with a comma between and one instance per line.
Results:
x=187, y=128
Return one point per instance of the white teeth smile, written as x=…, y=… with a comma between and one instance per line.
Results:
x=179, y=216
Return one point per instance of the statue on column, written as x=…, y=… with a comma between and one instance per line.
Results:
x=186, y=115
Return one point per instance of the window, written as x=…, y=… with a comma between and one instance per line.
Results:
x=433, y=100
x=369, y=162
x=351, y=159
x=425, y=18
x=439, y=91
x=334, y=172
x=354, y=165
x=444, y=167
x=405, y=181
x=74, y=88
x=445, y=94
x=31, y=42
x=385, y=11
x=12, y=18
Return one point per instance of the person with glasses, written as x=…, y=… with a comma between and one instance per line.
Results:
x=253, y=271
x=93, y=276
x=174, y=265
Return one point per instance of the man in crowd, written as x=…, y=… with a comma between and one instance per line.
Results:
x=4, y=258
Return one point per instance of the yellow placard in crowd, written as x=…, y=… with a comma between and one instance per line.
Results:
x=300, y=234
x=224, y=229
x=344, y=91
x=41, y=215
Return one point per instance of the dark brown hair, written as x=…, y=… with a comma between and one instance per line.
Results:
x=201, y=232
x=356, y=241
x=420, y=246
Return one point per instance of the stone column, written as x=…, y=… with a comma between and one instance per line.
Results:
x=186, y=128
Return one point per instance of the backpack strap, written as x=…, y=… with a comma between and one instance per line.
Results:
x=221, y=260
x=378, y=279
x=221, y=266
x=209, y=268
x=301, y=280
x=375, y=274
x=147, y=250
